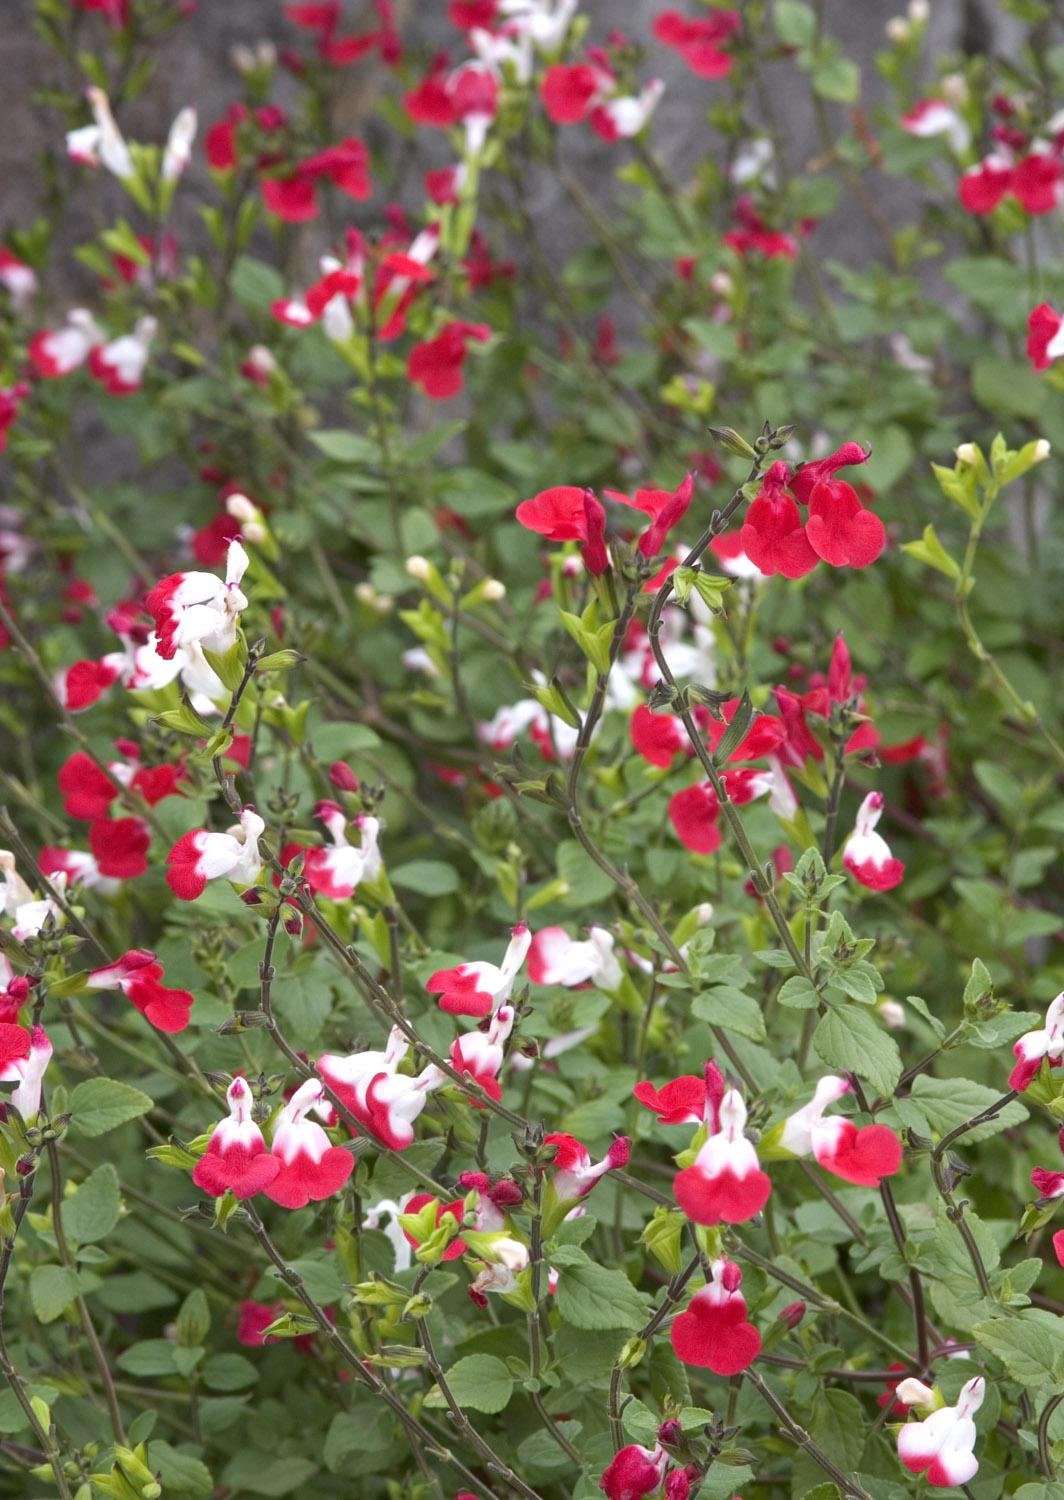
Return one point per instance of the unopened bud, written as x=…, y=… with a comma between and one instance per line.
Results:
x=728, y=438
x=792, y=1314
x=293, y=924
x=967, y=453
x=670, y=1431
x=251, y=897
x=898, y=29
x=342, y=777
x=632, y=1353
x=954, y=88
x=241, y=508
x=919, y=11
x=1041, y=450
x=892, y=1014
x=494, y=589
x=731, y=1278
x=418, y=567
x=721, y=284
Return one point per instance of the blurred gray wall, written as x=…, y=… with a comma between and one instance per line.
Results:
x=198, y=69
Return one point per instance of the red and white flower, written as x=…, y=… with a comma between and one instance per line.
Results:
x=862, y=1156
x=481, y=1053
x=866, y=854
x=24, y=1056
x=177, y=153
x=477, y=988
x=67, y=867
x=138, y=974
x=119, y=365
x=932, y=117
x=236, y=1159
x=713, y=1332
x=941, y=1447
x=699, y=41
x=544, y=22
x=381, y=1098
x=725, y=1183
x=19, y=902
x=100, y=144
x=1045, y=336
x=199, y=608
x=556, y=958
x=54, y=352
x=1047, y=1042
x=201, y=855
x=336, y=872
x=626, y=115
x=311, y=1168
x=19, y=279
x=573, y=1173
x=681, y=1101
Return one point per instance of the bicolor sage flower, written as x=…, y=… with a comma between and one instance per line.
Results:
x=866, y=853
x=202, y=855
x=477, y=988
x=24, y=1056
x=199, y=608
x=311, y=1169
x=556, y=958
x=725, y=1183
x=713, y=1332
x=137, y=974
x=1047, y=1042
x=236, y=1159
x=863, y=1156
x=941, y=1447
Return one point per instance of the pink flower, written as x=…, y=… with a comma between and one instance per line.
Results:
x=633, y=1472
x=725, y=1184
x=567, y=91
x=1047, y=1042
x=866, y=853
x=1045, y=343
x=236, y=1159
x=477, y=988
x=254, y=1319
x=941, y=1447
x=83, y=683
x=1048, y=1184
x=556, y=958
x=120, y=846
x=436, y=365
x=202, y=855
x=713, y=1332
x=137, y=974
x=1058, y=1246
x=310, y=1169
x=861, y=1156
x=699, y=41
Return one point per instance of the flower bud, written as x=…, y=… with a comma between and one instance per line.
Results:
x=792, y=1314
x=892, y=1014
x=670, y=1431
x=342, y=777
x=731, y=1278
x=898, y=29
x=418, y=567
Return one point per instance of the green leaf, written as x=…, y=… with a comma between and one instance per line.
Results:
x=52, y=1288
x=92, y=1211
x=149, y=1359
x=1007, y=387
x=798, y=993
x=795, y=22
x=1030, y=1345
x=947, y=1102
x=593, y=1296
x=255, y=285
x=182, y=1473
x=479, y=1381
x=229, y=1372
x=260, y=1473
x=345, y=447
x=102, y=1104
x=838, y=1425
x=836, y=77
x=731, y=1009
x=852, y=1041
x=428, y=877
x=930, y=550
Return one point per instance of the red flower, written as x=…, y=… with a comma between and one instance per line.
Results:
x=633, y=1472
x=1058, y=1246
x=982, y=187
x=436, y=365
x=773, y=536
x=557, y=514
x=567, y=91
x=681, y=1101
x=840, y=530
x=658, y=737
x=713, y=1332
x=693, y=814
x=137, y=974
x=120, y=846
x=87, y=790
x=255, y=1318
x=596, y=558
x=665, y=508
x=293, y=196
x=698, y=41
x=1038, y=183
x=1044, y=342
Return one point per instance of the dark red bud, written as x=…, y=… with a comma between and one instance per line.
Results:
x=670, y=1431
x=731, y=1278
x=342, y=776
x=792, y=1314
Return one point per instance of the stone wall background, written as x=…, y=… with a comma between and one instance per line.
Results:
x=198, y=69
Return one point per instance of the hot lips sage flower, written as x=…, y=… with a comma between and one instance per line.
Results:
x=725, y=1183
x=713, y=1332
